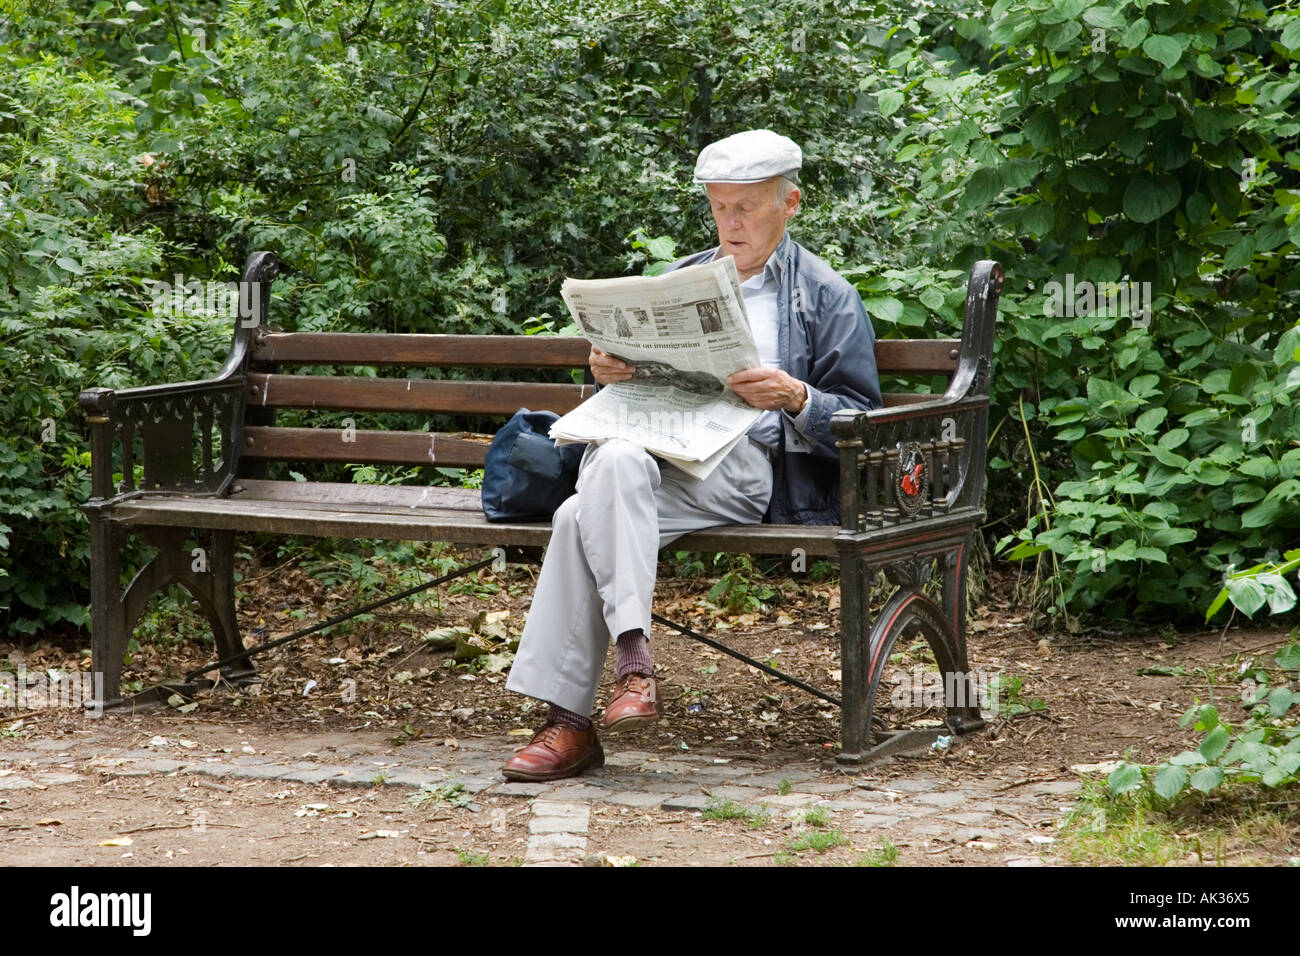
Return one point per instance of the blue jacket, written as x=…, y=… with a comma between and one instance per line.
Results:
x=828, y=343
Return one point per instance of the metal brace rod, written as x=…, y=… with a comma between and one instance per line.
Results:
x=748, y=660
x=261, y=648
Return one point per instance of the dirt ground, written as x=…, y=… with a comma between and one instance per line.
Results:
x=401, y=677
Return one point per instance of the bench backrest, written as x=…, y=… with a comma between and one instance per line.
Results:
x=178, y=438
x=269, y=389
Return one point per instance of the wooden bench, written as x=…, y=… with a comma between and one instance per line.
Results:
x=203, y=448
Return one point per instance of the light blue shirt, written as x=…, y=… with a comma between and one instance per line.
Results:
x=760, y=292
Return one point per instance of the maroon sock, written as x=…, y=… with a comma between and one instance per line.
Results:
x=632, y=655
x=567, y=718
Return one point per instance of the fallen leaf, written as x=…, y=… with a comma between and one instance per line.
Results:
x=49, y=822
x=447, y=636
x=119, y=841
x=496, y=663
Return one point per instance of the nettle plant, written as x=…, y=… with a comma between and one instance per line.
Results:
x=1264, y=749
x=1147, y=149
x=1263, y=584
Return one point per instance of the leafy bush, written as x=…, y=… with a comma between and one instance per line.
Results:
x=441, y=167
x=1150, y=144
x=1264, y=750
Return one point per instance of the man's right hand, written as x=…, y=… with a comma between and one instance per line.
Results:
x=606, y=369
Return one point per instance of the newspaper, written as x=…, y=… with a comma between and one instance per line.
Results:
x=684, y=332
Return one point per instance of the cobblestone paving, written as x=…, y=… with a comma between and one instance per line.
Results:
x=1005, y=812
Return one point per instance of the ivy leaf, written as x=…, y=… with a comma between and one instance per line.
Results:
x=1150, y=420
x=1149, y=197
x=1280, y=699
x=884, y=307
x=1207, y=778
x=984, y=186
x=1124, y=778
x=889, y=101
x=1215, y=742
x=1164, y=49
x=1170, y=781
x=1261, y=515
x=1247, y=595
x=1288, y=658
x=1291, y=35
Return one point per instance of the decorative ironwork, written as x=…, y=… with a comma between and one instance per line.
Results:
x=913, y=478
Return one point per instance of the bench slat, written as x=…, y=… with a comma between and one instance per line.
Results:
x=369, y=348
x=892, y=399
x=893, y=356
x=917, y=356
x=392, y=497
x=453, y=515
x=448, y=449
x=342, y=393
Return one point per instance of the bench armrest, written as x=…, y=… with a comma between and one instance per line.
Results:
x=184, y=436
x=925, y=459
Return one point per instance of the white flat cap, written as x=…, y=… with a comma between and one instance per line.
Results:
x=749, y=157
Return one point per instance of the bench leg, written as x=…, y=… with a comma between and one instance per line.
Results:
x=207, y=572
x=108, y=628
x=225, y=625
x=963, y=716
x=855, y=630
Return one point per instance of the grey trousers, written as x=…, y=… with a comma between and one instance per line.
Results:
x=597, y=579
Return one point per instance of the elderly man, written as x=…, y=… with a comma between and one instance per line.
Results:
x=597, y=581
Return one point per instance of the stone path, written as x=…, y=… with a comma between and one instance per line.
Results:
x=1011, y=814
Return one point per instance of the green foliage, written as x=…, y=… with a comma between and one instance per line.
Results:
x=1129, y=830
x=1149, y=144
x=1005, y=700
x=447, y=794
x=885, y=855
x=441, y=167
x=741, y=588
x=1265, y=583
x=819, y=840
x=730, y=810
x=1262, y=751
x=470, y=858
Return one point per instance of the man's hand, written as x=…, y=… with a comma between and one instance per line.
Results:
x=606, y=369
x=768, y=388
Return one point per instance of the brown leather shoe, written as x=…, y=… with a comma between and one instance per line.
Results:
x=556, y=752
x=635, y=702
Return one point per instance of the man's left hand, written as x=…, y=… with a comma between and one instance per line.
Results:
x=768, y=388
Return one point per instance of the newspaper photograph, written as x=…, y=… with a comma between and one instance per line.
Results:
x=684, y=332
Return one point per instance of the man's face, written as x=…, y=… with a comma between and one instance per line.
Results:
x=750, y=222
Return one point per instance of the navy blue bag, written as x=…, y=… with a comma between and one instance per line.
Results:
x=526, y=476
